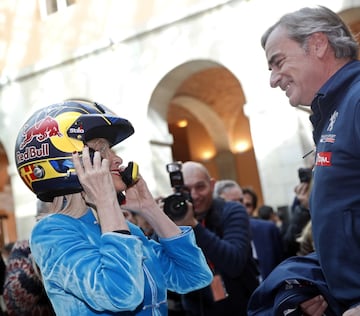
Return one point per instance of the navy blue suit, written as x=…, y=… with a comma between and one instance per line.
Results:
x=268, y=245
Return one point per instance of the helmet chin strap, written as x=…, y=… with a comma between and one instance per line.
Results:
x=88, y=203
x=121, y=198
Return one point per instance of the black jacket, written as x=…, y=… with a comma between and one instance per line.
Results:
x=225, y=241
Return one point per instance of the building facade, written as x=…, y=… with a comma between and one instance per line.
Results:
x=189, y=74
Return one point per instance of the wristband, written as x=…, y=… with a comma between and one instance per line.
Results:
x=122, y=231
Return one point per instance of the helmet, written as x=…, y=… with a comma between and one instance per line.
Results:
x=44, y=145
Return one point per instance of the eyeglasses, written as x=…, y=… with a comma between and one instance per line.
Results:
x=248, y=204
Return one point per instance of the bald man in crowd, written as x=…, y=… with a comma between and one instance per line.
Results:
x=222, y=231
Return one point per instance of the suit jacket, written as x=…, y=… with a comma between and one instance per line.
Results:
x=268, y=245
x=225, y=241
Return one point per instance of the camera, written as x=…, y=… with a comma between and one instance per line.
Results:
x=175, y=204
x=305, y=174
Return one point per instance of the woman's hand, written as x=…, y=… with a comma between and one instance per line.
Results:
x=138, y=197
x=94, y=176
x=140, y=200
x=96, y=180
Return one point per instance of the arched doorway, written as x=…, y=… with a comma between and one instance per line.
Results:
x=7, y=219
x=202, y=102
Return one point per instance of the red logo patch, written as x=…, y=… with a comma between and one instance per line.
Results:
x=42, y=130
x=323, y=159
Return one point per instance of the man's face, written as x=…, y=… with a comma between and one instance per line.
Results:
x=201, y=190
x=248, y=203
x=233, y=194
x=293, y=69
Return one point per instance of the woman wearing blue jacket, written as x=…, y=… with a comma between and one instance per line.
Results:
x=92, y=261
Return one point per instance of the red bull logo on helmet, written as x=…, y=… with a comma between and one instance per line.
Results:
x=32, y=152
x=41, y=131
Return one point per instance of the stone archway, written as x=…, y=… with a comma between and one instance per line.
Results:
x=210, y=99
x=352, y=19
x=7, y=219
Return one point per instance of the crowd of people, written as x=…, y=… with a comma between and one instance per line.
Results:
x=103, y=245
x=87, y=209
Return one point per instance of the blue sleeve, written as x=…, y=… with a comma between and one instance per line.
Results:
x=89, y=266
x=183, y=263
x=229, y=253
x=356, y=124
x=293, y=281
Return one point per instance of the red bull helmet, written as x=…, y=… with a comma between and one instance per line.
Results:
x=44, y=146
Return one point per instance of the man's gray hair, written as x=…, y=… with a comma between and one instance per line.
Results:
x=301, y=24
x=222, y=185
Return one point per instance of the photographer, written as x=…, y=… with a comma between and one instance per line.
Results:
x=222, y=232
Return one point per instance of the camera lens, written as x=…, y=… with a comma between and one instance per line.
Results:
x=175, y=206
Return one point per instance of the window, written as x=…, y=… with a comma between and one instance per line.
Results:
x=48, y=7
x=51, y=6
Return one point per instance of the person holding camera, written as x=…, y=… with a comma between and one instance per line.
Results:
x=93, y=261
x=299, y=213
x=222, y=231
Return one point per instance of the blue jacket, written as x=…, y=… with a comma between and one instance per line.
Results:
x=335, y=198
x=268, y=244
x=292, y=282
x=225, y=241
x=86, y=272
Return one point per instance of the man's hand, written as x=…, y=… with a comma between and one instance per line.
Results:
x=353, y=311
x=189, y=218
x=316, y=306
x=302, y=191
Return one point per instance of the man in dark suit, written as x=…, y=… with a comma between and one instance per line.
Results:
x=266, y=237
